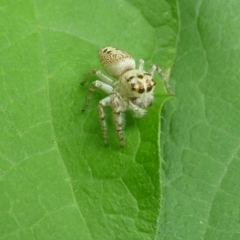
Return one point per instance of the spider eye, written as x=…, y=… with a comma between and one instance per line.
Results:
x=149, y=88
x=141, y=90
x=129, y=79
x=132, y=85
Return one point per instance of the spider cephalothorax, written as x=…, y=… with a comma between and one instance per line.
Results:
x=133, y=89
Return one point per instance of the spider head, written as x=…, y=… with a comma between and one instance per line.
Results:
x=136, y=83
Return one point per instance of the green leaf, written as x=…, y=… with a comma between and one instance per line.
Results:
x=201, y=180
x=57, y=180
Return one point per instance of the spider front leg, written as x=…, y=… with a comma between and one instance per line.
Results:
x=141, y=64
x=103, y=103
x=138, y=111
x=96, y=84
x=154, y=68
x=101, y=76
x=117, y=105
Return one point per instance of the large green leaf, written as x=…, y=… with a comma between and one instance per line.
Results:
x=57, y=181
x=201, y=183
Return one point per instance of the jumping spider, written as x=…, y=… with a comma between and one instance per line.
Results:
x=133, y=89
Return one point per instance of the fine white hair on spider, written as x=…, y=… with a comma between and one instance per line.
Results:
x=133, y=89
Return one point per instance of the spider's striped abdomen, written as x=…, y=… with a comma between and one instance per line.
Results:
x=115, y=61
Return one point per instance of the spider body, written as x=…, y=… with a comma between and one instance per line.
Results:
x=132, y=91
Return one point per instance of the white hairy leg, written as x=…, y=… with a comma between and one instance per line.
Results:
x=141, y=64
x=96, y=84
x=101, y=76
x=154, y=68
x=116, y=104
x=103, y=103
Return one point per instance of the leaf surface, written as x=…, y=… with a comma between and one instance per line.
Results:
x=57, y=181
x=201, y=180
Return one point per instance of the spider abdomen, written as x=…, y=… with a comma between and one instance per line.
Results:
x=116, y=62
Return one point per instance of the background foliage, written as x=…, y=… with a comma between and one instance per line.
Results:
x=200, y=140
x=57, y=181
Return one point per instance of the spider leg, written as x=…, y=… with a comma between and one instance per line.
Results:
x=141, y=64
x=138, y=112
x=117, y=115
x=101, y=76
x=154, y=68
x=96, y=84
x=104, y=102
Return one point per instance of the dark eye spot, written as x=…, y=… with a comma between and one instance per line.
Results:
x=133, y=86
x=141, y=90
x=149, y=88
x=147, y=74
x=129, y=79
x=105, y=50
x=140, y=76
